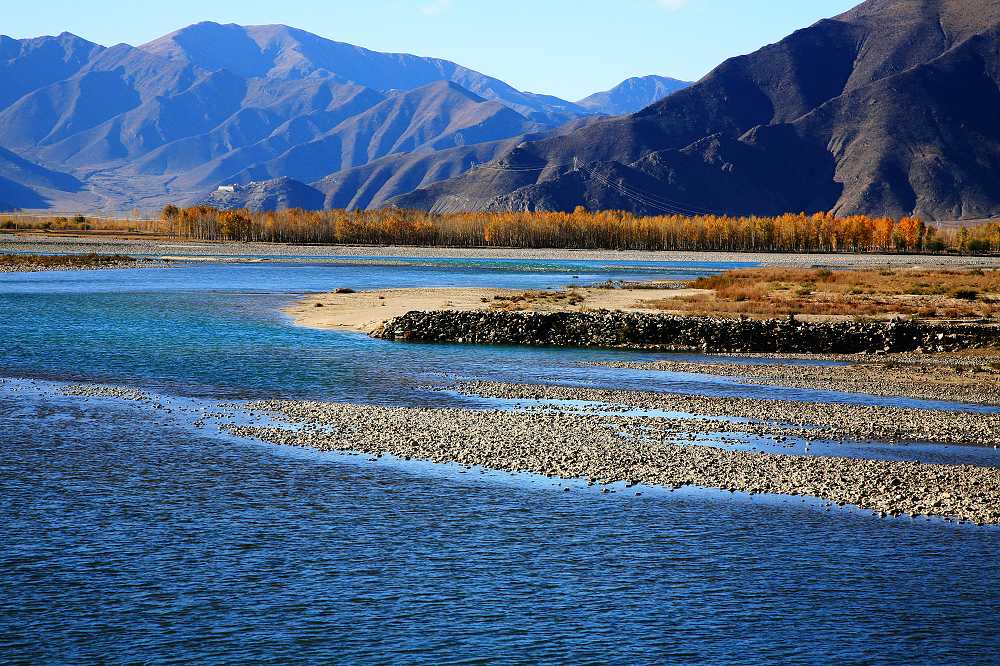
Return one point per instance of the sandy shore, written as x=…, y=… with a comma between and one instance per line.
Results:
x=810, y=295
x=181, y=248
x=368, y=310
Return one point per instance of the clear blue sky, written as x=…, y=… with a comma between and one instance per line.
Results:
x=568, y=48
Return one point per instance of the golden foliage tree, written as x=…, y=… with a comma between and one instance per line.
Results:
x=791, y=232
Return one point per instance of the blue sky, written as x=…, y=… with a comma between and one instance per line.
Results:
x=561, y=47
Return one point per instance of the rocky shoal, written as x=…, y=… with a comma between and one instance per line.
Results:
x=608, y=450
x=958, y=382
x=105, y=391
x=30, y=263
x=810, y=420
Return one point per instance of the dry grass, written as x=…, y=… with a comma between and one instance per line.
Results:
x=775, y=292
x=533, y=300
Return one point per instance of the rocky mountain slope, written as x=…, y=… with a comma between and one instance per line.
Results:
x=632, y=95
x=889, y=108
x=211, y=104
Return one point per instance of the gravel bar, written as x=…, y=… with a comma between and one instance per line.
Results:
x=102, y=391
x=598, y=449
x=34, y=263
x=956, y=382
x=827, y=421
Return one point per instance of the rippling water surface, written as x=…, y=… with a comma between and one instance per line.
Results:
x=129, y=534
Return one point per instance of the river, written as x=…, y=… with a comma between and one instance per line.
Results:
x=134, y=535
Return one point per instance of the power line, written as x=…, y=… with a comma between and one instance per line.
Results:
x=647, y=198
x=660, y=201
x=476, y=165
x=645, y=202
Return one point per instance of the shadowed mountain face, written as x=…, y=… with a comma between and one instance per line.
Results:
x=375, y=183
x=887, y=109
x=211, y=104
x=24, y=184
x=632, y=95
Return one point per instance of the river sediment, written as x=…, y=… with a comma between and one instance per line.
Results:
x=33, y=263
x=608, y=450
x=683, y=440
x=809, y=420
x=967, y=380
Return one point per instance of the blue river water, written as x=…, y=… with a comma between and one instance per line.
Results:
x=131, y=535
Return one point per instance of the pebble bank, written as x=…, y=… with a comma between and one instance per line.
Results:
x=607, y=450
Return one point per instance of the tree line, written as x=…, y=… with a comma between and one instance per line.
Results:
x=616, y=230
x=608, y=230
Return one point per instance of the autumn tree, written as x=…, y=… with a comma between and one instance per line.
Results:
x=910, y=233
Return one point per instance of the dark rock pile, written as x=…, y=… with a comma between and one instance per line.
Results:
x=615, y=329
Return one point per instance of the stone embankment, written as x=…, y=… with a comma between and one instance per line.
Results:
x=607, y=450
x=638, y=330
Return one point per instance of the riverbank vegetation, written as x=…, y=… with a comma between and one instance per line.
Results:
x=779, y=292
x=949, y=294
x=616, y=230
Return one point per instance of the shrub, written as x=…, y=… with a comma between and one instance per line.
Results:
x=965, y=294
x=978, y=246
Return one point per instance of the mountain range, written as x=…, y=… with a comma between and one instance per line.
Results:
x=112, y=128
x=888, y=109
